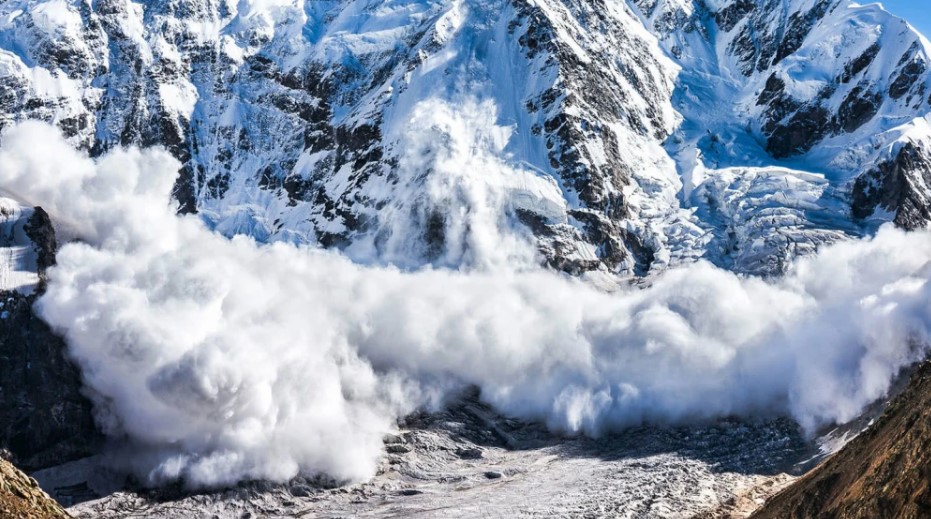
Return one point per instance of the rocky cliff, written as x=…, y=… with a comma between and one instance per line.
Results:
x=883, y=473
x=44, y=417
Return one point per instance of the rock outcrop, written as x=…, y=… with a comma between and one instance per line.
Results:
x=898, y=187
x=339, y=123
x=44, y=417
x=885, y=472
x=21, y=497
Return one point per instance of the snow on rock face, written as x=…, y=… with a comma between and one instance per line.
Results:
x=816, y=86
x=20, y=255
x=488, y=132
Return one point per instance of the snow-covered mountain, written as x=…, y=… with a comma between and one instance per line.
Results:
x=607, y=139
x=612, y=136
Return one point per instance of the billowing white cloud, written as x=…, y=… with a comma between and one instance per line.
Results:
x=222, y=360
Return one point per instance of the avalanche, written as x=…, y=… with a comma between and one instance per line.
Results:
x=224, y=360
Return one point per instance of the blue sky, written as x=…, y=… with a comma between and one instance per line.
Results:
x=917, y=12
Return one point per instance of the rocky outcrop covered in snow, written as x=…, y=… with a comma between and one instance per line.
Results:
x=598, y=135
x=898, y=187
x=45, y=419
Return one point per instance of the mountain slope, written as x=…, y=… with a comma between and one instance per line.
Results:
x=884, y=472
x=45, y=415
x=792, y=109
x=21, y=497
x=620, y=137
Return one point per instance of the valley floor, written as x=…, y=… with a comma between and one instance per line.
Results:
x=470, y=462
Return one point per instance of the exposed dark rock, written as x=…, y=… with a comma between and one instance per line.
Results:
x=897, y=186
x=860, y=63
x=39, y=229
x=774, y=90
x=907, y=78
x=798, y=28
x=759, y=44
x=469, y=453
x=44, y=417
x=574, y=142
x=614, y=249
x=857, y=109
x=730, y=16
x=800, y=132
x=397, y=449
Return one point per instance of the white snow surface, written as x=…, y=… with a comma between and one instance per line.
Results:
x=18, y=255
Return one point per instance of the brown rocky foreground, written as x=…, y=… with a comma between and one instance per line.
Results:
x=21, y=497
x=883, y=473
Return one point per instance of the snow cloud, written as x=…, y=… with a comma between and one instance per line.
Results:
x=223, y=359
x=456, y=195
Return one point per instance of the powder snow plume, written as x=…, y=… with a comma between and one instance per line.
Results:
x=220, y=360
